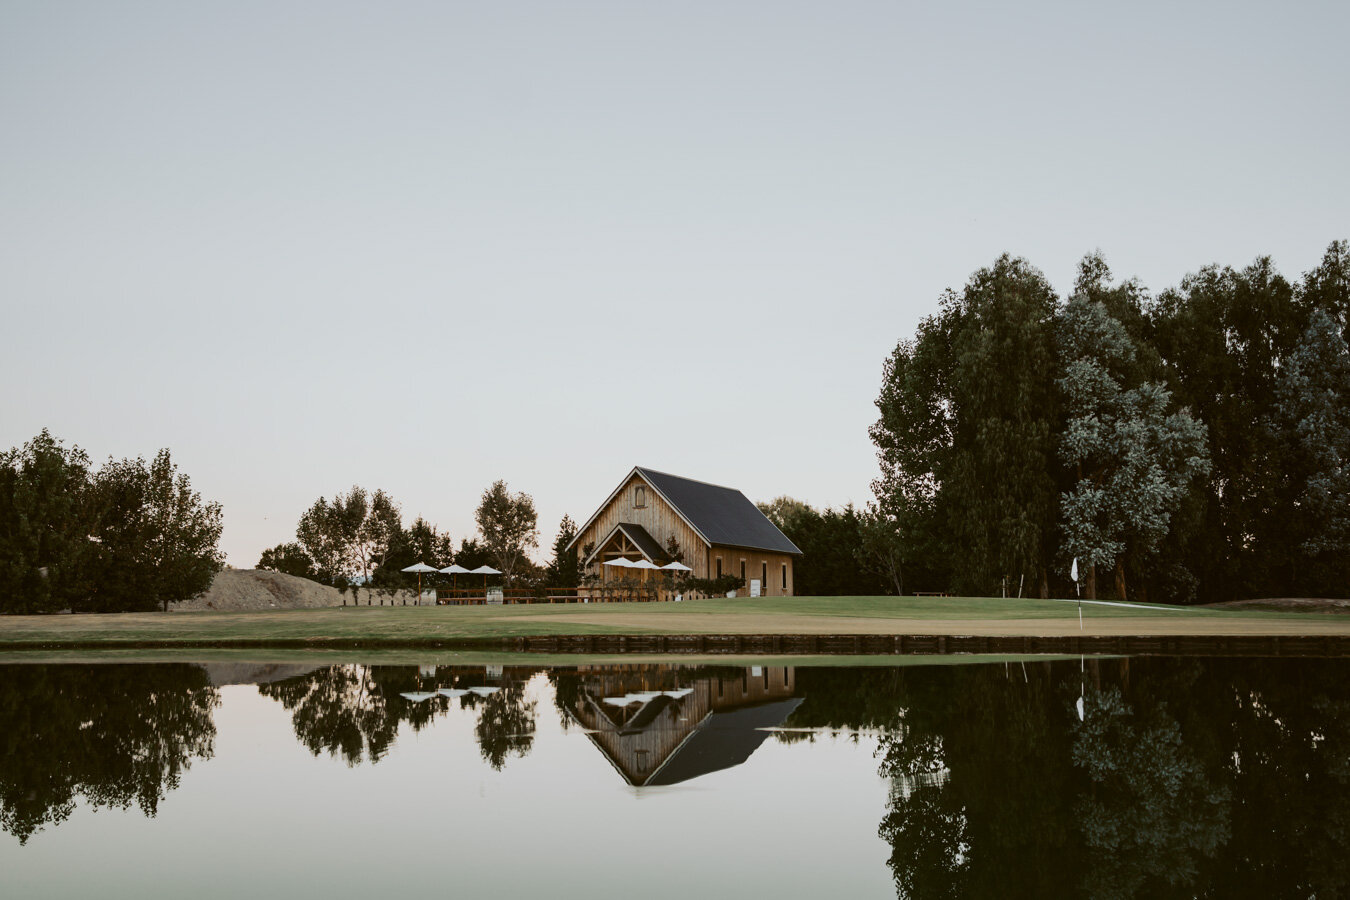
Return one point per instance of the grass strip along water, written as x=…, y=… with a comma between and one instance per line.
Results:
x=744, y=625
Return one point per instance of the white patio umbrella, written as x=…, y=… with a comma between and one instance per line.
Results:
x=485, y=571
x=676, y=567
x=419, y=568
x=455, y=571
x=619, y=563
x=646, y=567
x=418, y=696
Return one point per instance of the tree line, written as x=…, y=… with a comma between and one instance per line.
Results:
x=1192, y=446
x=358, y=539
x=130, y=535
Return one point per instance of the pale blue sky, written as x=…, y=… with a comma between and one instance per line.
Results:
x=420, y=246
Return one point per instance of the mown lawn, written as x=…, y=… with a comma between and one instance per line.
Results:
x=772, y=615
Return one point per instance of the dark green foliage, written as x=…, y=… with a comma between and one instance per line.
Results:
x=131, y=536
x=710, y=587
x=1001, y=497
x=156, y=539
x=47, y=513
x=836, y=558
x=288, y=559
x=472, y=554
x=966, y=437
x=1133, y=457
x=509, y=525
x=420, y=543
x=564, y=570
x=1199, y=441
x=1312, y=422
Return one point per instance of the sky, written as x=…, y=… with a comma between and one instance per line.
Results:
x=421, y=246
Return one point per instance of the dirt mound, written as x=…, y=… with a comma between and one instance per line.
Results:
x=241, y=589
x=1289, y=604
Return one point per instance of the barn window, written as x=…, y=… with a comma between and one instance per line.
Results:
x=764, y=577
x=640, y=496
x=719, y=568
x=742, y=570
x=785, y=578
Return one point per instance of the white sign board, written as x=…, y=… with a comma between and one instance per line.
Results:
x=754, y=587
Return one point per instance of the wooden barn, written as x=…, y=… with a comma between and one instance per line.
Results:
x=717, y=530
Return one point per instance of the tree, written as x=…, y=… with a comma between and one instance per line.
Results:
x=350, y=537
x=1222, y=336
x=882, y=547
x=966, y=434
x=288, y=559
x=1133, y=461
x=379, y=529
x=830, y=541
x=785, y=511
x=422, y=542
x=914, y=438
x=45, y=523
x=565, y=568
x=324, y=533
x=472, y=554
x=509, y=525
x=1312, y=417
x=157, y=540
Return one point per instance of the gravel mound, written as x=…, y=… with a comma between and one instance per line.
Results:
x=244, y=589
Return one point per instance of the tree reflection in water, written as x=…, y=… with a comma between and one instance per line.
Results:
x=1186, y=777
x=112, y=735
x=353, y=712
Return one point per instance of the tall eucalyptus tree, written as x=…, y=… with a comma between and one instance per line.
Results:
x=1132, y=457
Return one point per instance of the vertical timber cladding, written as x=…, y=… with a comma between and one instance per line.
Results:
x=657, y=517
x=755, y=563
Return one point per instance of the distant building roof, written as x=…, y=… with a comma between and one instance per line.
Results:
x=722, y=515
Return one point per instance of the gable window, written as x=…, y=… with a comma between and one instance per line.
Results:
x=640, y=496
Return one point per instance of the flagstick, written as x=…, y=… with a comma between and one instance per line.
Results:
x=1079, y=592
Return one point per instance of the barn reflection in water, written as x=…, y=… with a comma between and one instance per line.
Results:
x=663, y=725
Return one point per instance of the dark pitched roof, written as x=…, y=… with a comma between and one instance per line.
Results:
x=723, y=740
x=641, y=538
x=722, y=515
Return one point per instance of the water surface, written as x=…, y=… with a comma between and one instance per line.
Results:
x=1106, y=778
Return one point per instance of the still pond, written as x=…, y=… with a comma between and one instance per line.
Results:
x=1145, y=777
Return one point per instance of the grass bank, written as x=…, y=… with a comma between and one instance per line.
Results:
x=413, y=626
